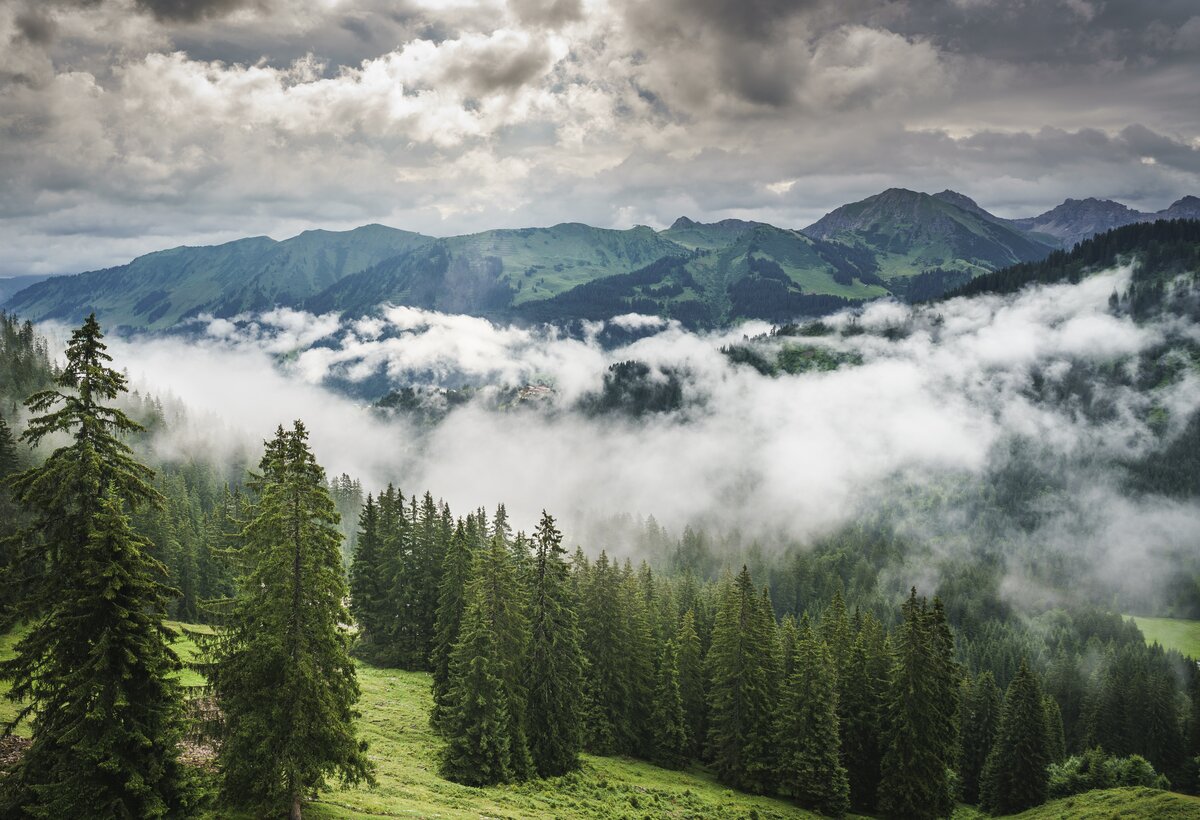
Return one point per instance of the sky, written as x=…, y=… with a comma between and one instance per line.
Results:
x=132, y=125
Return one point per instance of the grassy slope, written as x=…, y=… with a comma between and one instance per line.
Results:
x=1172, y=633
x=1110, y=804
x=395, y=722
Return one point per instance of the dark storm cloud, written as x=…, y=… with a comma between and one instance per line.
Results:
x=35, y=27
x=190, y=11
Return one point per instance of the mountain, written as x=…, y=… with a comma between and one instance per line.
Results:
x=710, y=235
x=488, y=273
x=911, y=232
x=1079, y=219
x=160, y=289
x=15, y=284
x=911, y=245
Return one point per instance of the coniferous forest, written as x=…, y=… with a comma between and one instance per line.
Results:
x=821, y=677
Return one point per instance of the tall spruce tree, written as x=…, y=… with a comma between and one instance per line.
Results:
x=485, y=710
x=981, y=717
x=690, y=662
x=554, y=672
x=452, y=595
x=921, y=744
x=1015, y=777
x=1056, y=744
x=367, y=571
x=866, y=695
x=282, y=673
x=668, y=724
x=810, y=766
x=740, y=704
x=95, y=668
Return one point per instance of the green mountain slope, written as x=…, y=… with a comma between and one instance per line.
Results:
x=159, y=289
x=489, y=272
x=911, y=232
x=766, y=273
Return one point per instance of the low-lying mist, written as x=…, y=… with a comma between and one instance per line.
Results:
x=929, y=405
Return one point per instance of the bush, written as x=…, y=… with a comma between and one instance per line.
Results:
x=1096, y=770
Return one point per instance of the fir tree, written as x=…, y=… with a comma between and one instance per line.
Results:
x=1056, y=744
x=282, y=673
x=367, y=573
x=810, y=766
x=456, y=574
x=866, y=695
x=740, y=704
x=94, y=669
x=1015, y=778
x=922, y=718
x=690, y=663
x=669, y=727
x=485, y=710
x=981, y=717
x=554, y=673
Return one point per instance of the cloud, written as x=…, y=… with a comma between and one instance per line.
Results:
x=195, y=122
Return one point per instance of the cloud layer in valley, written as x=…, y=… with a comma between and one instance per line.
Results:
x=939, y=396
x=130, y=125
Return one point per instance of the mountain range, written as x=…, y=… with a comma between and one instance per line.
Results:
x=904, y=243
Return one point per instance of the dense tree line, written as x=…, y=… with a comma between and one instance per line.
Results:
x=1164, y=249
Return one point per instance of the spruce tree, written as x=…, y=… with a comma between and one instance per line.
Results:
x=485, y=717
x=740, y=704
x=367, y=573
x=1014, y=777
x=452, y=592
x=921, y=744
x=690, y=663
x=981, y=717
x=282, y=673
x=95, y=667
x=669, y=727
x=554, y=672
x=606, y=637
x=866, y=697
x=1056, y=744
x=810, y=766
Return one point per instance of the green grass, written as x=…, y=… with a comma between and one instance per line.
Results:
x=1110, y=804
x=1172, y=633
x=395, y=722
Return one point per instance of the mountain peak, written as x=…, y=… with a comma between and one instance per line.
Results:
x=682, y=223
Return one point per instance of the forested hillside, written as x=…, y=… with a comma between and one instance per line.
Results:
x=816, y=674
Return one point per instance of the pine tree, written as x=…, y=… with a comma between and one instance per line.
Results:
x=367, y=572
x=1056, y=744
x=605, y=625
x=810, y=766
x=921, y=745
x=485, y=715
x=282, y=673
x=981, y=717
x=452, y=591
x=1015, y=778
x=94, y=668
x=866, y=697
x=669, y=727
x=554, y=673
x=690, y=663
x=740, y=704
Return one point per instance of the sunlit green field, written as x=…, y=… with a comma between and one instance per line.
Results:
x=1172, y=633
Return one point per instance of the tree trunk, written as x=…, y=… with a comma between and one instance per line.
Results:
x=296, y=808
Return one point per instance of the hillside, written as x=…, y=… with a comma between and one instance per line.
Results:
x=911, y=232
x=1076, y=220
x=1108, y=804
x=1164, y=249
x=486, y=273
x=160, y=289
x=910, y=245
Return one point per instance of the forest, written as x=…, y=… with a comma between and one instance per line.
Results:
x=832, y=677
